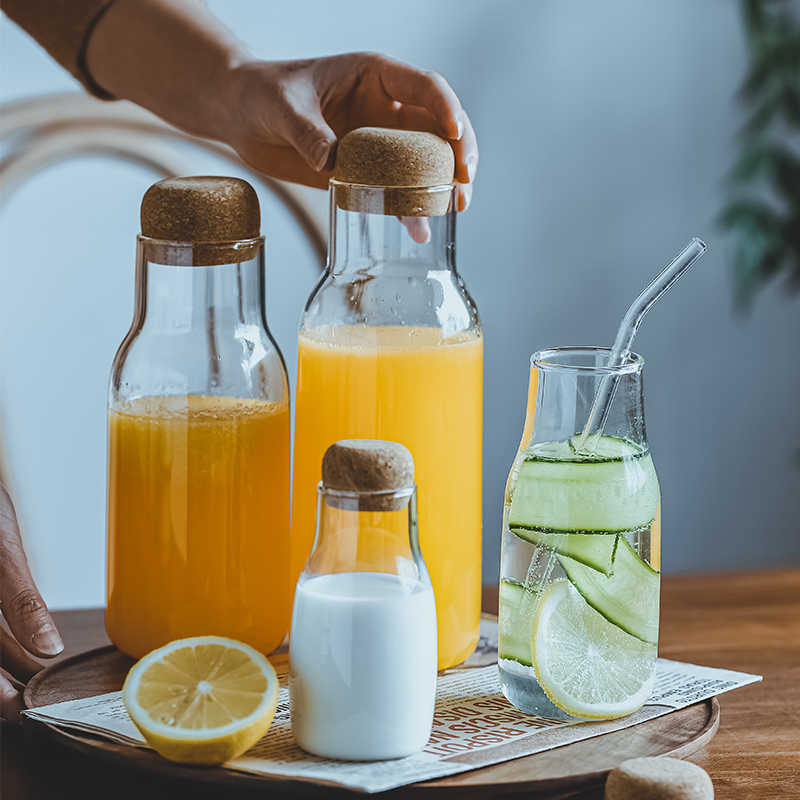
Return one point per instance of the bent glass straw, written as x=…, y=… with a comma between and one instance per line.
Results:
x=627, y=330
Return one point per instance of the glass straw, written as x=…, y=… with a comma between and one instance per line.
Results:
x=627, y=330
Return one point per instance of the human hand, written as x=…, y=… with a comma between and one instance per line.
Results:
x=282, y=117
x=30, y=623
x=286, y=117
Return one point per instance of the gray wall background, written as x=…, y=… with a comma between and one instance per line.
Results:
x=605, y=131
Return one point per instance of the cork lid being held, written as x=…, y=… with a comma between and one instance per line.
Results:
x=406, y=165
x=379, y=471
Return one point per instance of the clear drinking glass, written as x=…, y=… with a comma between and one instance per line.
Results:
x=362, y=670
x=580, y=581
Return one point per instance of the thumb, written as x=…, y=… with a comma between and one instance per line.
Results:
x=305, y=129
x=22, y=605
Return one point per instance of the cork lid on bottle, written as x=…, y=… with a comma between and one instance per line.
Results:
x=378, y=470
x=220, y=216
x=412, y=169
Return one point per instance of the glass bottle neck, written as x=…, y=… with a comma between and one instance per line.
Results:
x=175, y=293
x=368, y=240
x=357, y=534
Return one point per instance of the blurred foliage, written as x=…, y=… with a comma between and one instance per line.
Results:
x=762, y=211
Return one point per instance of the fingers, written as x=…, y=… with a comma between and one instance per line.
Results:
x=419, y=229
x=465, y=149
x=11, y=703
x=292, y=113
x=14, y=660
x=466, y=153
x=22, y=605
x=430, y=92
x=425, y=101
x=410, y=86
x=463, y=196
x=25, y=612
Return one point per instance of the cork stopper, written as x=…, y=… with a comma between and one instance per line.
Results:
x=658, y=779
x=213, y=213
x=414, y=171
x=374, y=468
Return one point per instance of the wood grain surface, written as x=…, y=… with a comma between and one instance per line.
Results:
x=743, y=621
x=580, y=764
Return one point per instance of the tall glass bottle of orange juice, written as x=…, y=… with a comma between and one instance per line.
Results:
x=390, y=347
x=198, y=487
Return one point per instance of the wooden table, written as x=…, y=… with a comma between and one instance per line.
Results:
x=743, y=621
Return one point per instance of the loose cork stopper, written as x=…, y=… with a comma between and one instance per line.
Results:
x=213, y=213
x=658, y=779
x=413, y=169
x=374, y=468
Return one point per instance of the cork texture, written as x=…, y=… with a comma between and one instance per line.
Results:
x=406, y=165
x=658, y=779
x=372, y=467
x=203, y=210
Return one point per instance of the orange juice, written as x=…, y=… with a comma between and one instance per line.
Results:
x=415, y=386
x=198, y=521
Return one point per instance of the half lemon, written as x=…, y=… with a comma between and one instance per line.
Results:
x=203, y=700
x=586, y=665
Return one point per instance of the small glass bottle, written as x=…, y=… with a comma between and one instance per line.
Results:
x=390, y=347
x=580, y=581
x=198, y=491
x=362, y=652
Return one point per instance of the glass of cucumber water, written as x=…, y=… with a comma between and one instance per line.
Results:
x=580, y=580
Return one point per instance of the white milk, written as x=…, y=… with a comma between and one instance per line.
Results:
x=362, y=665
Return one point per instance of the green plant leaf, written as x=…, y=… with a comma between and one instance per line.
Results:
x=762, y=208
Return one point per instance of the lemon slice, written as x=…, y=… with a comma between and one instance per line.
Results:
x=203, y=700
x=586, y=665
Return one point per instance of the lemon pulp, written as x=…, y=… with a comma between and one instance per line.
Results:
x=586, y=665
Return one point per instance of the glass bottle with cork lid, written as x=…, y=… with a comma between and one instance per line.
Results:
x=362, y=669
x=390, y=347
x=198, y=489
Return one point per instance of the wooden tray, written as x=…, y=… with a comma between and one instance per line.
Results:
x=571, y=767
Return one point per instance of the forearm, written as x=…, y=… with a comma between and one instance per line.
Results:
x=169, y=56
x=62, y=28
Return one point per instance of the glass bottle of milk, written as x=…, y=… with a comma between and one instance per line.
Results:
x=363, y=647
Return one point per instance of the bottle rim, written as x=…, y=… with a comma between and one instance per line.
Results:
x=405, y=491
x=568, y=359
x=393, y=201
x=256, y=240
x=199, y=254
x=436, y=187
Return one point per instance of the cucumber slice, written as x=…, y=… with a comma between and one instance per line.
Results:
x=595, y=550
x=575, y=494
x=517, y=606
x=628, y=598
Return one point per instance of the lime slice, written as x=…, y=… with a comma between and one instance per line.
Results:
x=586, y=665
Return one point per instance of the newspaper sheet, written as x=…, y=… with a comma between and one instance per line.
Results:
x=474, y=726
